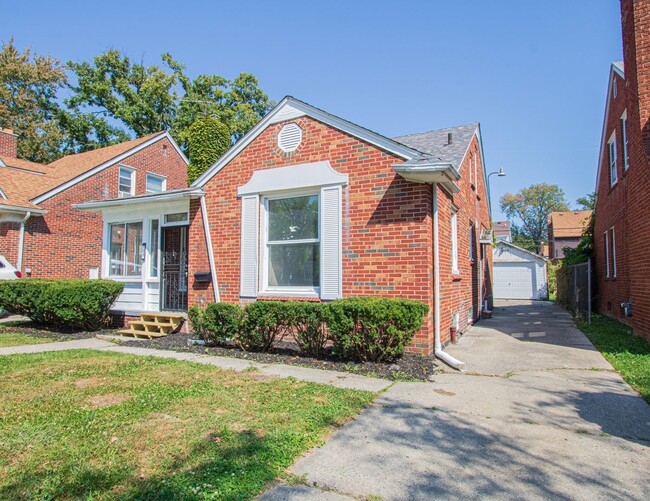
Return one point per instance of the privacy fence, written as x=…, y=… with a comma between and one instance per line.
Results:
x=574, y=289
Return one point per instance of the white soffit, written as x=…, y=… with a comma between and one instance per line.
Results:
x=288, y=112
x=292, y=177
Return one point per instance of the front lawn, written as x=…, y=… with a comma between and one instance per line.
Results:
x=9, y=338
x=629, y=354
x=99, y=425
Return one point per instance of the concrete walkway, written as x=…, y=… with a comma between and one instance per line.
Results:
x=539, y=415
x=332, y=378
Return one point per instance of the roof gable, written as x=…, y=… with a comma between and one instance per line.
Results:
x=569, y=224
x=502, y=243
x=290, y=108
x=616, y=68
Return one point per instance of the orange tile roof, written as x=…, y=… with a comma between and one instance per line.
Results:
x=22, y=186
x=569, y=224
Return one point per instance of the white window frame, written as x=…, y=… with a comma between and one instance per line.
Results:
x=131, y=192
x=454, y=242
x=625, y=141
x=263, y=287
x=476, y=168
x=607, y=254
x=472, y=178
x=472, y=242
x=125, y=222
x=613, y=245
x=159, y=177
x=612, y=154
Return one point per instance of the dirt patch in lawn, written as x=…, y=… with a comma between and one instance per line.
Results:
x=33, y=329
x=99, y=401
x=88, y=382
x=410, y=367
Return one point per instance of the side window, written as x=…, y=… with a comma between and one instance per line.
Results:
x=156, y=184
x=613, y=175
x=454, y=242
x=126, y=185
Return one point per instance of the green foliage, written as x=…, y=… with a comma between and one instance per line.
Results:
x=629, y=354
x=77, y=304
x=308, y=324
x=374, y=328
x=28, y=88
x=266, y=323
x=585, y=248
x=112, y=99
x=208, y=139
x=217, y=322
x=551, y=270
x=531, y=206
x=588, y=202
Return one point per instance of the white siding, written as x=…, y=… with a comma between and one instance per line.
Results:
x=518, y=274
x=130, y=299
x=153, y=296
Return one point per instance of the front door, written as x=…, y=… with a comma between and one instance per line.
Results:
x=174, y=268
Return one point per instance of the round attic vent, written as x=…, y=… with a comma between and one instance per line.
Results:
x=289, y=137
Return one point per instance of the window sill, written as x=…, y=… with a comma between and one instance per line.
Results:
x=285, y=297
x=456, y=276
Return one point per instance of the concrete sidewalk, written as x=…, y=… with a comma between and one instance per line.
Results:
x=332, y=378
x=539, y=415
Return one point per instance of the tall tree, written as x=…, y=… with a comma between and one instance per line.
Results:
x=29, y=84
x=588, y=202
x=528, y=210
x=208, y=139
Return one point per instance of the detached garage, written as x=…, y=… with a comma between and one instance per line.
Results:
x=518, y=273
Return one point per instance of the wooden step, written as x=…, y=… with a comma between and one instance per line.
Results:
x=137, y=333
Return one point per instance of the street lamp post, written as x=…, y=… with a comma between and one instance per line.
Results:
x=499, y=173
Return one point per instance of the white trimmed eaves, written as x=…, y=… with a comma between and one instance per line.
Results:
x=300, y=108
x=2, y=194
x=62, y=187
x=479, y=137
x=603, y=140
x=24, y=210
x=510, y=244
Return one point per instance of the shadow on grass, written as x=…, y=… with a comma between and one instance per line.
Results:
x=235, y=467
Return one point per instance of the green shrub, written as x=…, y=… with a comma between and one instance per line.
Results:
x=374, y=328
x=77, y=304
x=265, y=323
x=217, y=322
x=307, y=322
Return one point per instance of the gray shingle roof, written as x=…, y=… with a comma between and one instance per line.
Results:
x=434, y=142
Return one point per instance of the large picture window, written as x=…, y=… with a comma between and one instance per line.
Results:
x=293, y=242
x=126, y=249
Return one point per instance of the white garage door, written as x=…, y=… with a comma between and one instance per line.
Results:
x=514, y=281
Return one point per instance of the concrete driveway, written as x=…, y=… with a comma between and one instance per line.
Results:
x=539, y=415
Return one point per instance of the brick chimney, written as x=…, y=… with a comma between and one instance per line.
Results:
x=8, y=143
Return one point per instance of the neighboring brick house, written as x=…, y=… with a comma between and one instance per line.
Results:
x=622, y=225
x=565, y=230
x=310, y=206
x=502, y=231
x=46, y=236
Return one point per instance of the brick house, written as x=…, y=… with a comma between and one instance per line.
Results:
x=502, y=231
x=565, y=230
x=43, y=232
x=312, y=207
x=622, y=226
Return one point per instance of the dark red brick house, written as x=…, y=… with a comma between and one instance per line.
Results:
x=45, y=234
x=312, y=207
x=622, y=225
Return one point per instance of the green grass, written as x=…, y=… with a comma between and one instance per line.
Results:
x=629, y=354
x=98, y=425
x=17, y=339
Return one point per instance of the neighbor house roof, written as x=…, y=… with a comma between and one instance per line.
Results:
x=436, y=142
x=23, y=182
x=501, y=228
x=569, y=224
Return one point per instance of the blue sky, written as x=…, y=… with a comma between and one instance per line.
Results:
x=533, y=73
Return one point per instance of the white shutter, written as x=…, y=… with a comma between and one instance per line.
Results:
x=331, y=243
x=249, y=231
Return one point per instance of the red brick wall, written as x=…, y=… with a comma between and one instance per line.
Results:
x=8, y=143
x=387, y=224
x=66, y=242
x=636, y=53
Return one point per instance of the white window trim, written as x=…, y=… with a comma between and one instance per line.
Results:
x=607, y=254
x=472, y=243
x=454, y=242
x=613, y=252
x=612, y=158
x=263, y=288
x=158, y=176
x=126, y=278
x=625, y=139
x=130, y=170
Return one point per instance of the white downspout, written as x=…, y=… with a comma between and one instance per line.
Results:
x=445, y=357
x=21, y=242
x=208, y=243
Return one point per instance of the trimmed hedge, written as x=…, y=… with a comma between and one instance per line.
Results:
x=77, y=304
x=217, y=321
x=360, y=328
x=374, y=328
